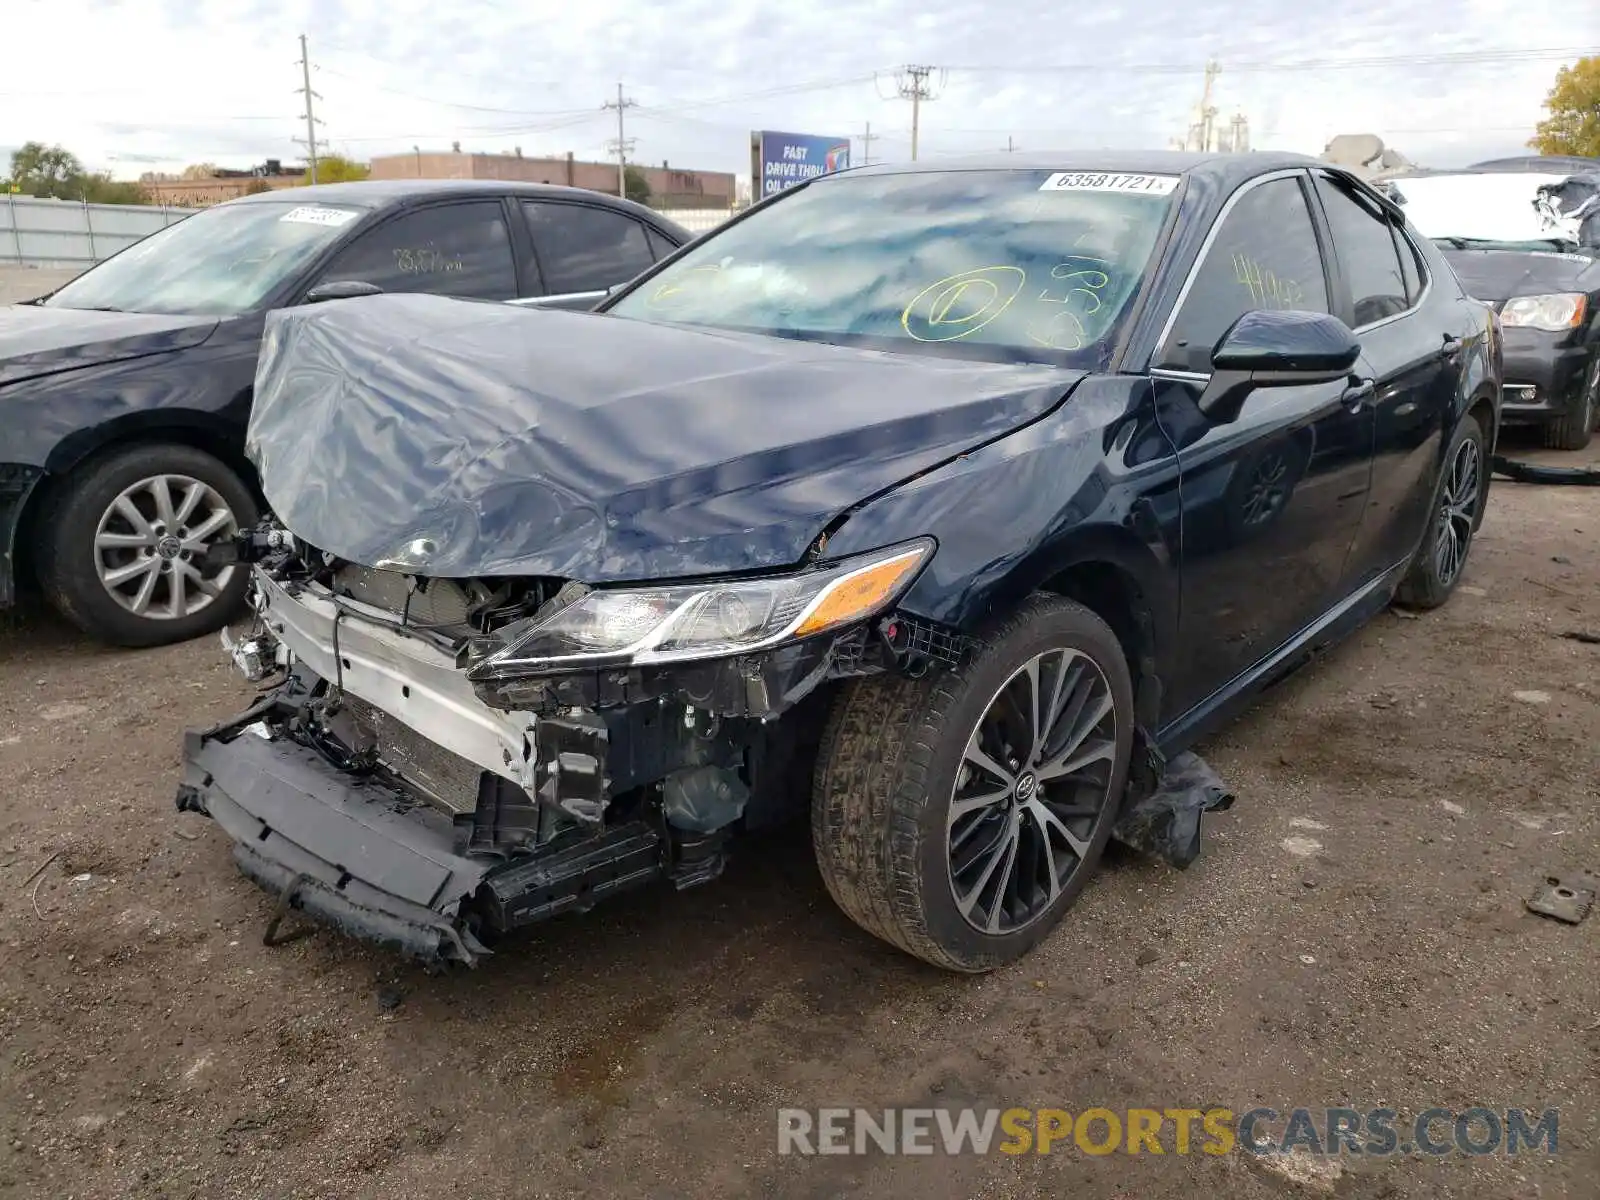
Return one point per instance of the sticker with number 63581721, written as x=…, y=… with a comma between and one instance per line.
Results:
x=1103, y=181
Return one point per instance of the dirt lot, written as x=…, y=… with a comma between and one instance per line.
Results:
x=24, y=283
x=1353, y=933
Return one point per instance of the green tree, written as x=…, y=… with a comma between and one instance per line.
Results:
x=100, y=188
x=40, y=170
x=1573, y=126
x=336, y=168
x=637, y=186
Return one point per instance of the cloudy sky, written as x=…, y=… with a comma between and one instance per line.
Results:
x=138, y=85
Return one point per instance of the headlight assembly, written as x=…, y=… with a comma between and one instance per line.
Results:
x=1554, y=313
x=650, y=625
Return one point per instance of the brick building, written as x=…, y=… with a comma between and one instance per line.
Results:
x=225, y=184
x=669, y=187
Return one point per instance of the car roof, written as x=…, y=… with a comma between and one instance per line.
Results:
x=1222, y=169
x=389, y=193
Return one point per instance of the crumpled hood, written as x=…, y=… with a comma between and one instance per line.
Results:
x=454, y=438
x=36, y=339
x=1498, y=275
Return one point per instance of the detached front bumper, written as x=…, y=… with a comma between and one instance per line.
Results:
x=358, y=855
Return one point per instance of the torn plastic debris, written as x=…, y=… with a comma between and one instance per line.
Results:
x=1166, y=823
x=703, y=799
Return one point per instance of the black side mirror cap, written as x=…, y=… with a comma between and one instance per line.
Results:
x=1276, y=348
x=341, y=289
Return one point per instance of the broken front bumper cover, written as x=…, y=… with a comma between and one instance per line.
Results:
x=296, y=821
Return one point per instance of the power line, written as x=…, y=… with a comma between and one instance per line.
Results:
x=912, y=84
x=311, y=119
x=623, y=144
x=1465, y=57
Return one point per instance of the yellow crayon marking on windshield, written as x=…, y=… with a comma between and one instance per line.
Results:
x=1063, y=332
x=681, y=283
x=967, y=301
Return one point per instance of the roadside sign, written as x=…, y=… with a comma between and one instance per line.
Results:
x=781, y=160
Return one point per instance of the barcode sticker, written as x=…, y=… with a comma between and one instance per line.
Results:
x=312, y=215
x=1092, y=181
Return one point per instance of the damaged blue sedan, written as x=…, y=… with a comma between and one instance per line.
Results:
x=948, y=504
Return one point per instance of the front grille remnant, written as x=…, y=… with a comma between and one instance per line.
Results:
x=447, y=779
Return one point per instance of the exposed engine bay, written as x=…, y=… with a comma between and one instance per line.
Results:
x=495, y=799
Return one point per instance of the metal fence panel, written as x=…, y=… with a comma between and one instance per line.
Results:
x=66, y=233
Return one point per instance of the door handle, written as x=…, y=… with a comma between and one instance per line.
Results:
x=1359, y=393
x=1452, y=347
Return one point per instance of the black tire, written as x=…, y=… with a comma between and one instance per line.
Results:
x=1428, y=583
x=68, y=553
x=887, y=770
x=1573, y=431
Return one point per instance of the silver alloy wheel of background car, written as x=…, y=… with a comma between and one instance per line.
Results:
x=149, y=542
x=1458, y=511
x=1034, y=779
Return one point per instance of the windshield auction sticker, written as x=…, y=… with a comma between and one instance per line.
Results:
x=1090, y=181
x=311, y=215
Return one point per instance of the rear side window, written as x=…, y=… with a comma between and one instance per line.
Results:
x=447, y=249
x=1411, y=269
x=660, y=247
x=584, y=248
x=1364, y=242
x=1264, y=255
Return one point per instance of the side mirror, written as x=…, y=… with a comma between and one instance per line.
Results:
x=341, y=289
x=1272, y=348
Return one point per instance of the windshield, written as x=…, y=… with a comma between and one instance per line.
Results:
x=1498, y=211
x=1008, y=265
x=223, y=261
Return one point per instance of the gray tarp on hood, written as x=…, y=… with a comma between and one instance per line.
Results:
x=456, y=438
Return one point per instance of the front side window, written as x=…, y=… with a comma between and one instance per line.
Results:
x=458, y=250
x=222, y=261
x=1012, y=266
x=585, y=248
x=1364, y=241
x=1264, y=255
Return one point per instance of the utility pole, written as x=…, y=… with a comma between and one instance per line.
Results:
x=1011, y=146
x=622, y=144
x=311, y=119
x=913, y=86
x=867, y=139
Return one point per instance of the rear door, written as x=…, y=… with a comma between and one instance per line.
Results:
x=1411, y=353
x=455, y=248
x=583, y=250
x=1272, y=500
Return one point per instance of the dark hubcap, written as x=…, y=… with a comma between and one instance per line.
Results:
x=1034, y=782
x=1458, y=507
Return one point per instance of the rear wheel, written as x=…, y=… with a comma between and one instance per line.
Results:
x=1573, y=431
x=1457, y=507
x=960, y=815
x=121, y=546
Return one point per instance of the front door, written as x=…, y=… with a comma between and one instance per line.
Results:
x=1272, y=501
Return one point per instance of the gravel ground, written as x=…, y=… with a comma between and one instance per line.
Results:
x=24, y=283
x=1354, y=933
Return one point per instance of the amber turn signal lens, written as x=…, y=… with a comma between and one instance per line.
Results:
x=860, y=593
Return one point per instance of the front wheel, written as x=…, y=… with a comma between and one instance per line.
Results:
x=122, y=551
x=959, y=816
x=1457, y=508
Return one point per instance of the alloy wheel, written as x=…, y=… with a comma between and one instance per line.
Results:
x=1034, y=782
x=1458, y=509
x=150, y=541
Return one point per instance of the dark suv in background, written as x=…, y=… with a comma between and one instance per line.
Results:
x=124, y=394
